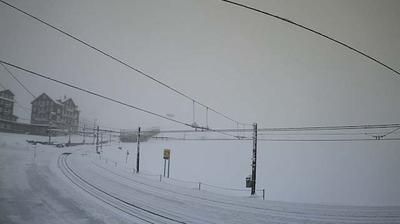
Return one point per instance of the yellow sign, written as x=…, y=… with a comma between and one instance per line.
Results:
x=167, y=153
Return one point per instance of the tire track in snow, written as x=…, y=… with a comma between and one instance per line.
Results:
x=137, y=212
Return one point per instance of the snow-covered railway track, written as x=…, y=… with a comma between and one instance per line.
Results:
x=317, y=213
x=140, y=213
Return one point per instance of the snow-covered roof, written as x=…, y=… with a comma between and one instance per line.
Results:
x=7, y=91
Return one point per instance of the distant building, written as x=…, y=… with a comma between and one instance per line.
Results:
x=57, y=113
x=7, y=106
x=131, y=135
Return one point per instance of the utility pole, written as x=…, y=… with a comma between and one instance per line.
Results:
x=101, y=141
x=94, y=127
x=97, y=141
x=165, y=166
x=138, y=151
x=169, y=161
x=254, y=160
x=49, y=132
x=84, y=134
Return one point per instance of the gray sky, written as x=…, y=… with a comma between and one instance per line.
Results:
x=247, y=65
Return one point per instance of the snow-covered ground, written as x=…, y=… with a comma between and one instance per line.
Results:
x=45, y=184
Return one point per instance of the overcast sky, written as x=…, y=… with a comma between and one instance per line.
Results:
x=244, y=64
x=247, y=65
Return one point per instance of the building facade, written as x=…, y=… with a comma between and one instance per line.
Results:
x=7, y=106
x=62, y=114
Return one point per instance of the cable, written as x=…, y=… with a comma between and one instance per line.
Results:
x=94, y=93
x=329, y=140
x=386, y=134
x=313, y=134
x=19, y=82
x=278, y=140
x=332, y=128
x=114, y=58
x=295, y=129
x=313, y=31
x=18, y=104
x=111, y=99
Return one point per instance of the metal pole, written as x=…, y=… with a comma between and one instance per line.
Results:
x=49, y=136
x=165, y=164
x=254, y=162
x=84, y=134
x=169, y=161
x=94, y=127
x=97, y=141
x=138, y=151
x=101, y=141
x=193, y=113
x=263, y=194
x=206, y=117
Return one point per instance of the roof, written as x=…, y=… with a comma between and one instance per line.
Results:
x=69, y=99
x=47, y=97
x=41, y=96
x=7, y=99
x=58, y=101
x=7, y=91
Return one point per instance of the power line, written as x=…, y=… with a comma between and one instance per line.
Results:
x=330, y=140
x=19, y=82
x=294, y=129
x=16, y=102
x=109, y=98
x=332, y=128
x=278, y=140
x=118, y=60
x=314, y=134
x=380, y=136
x=313, y=31
x=94, y=93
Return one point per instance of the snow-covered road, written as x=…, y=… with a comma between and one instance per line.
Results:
x=44, y=184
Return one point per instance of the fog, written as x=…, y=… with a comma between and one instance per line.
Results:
x=244, y=64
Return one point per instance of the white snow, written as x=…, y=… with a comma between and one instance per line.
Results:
x=36, y=187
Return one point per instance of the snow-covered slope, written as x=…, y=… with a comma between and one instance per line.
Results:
x=44, y=184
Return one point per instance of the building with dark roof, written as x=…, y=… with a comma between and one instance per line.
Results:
x=7, y=105
x=63, y=114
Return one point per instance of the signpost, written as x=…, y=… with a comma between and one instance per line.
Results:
x=166, y=156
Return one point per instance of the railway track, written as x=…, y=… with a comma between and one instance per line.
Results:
x=324, y=214
x=147, y=213
x=140, y=213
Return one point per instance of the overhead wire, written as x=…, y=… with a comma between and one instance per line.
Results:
x=295, y=129
x=108, y=98
x=19, y=82
x=120, y=61
x=25, y=109
x=279, y=140
x=313, y=31
x=93, y=93
x=186, y=96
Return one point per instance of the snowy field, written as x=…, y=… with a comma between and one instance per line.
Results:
x=45, y=184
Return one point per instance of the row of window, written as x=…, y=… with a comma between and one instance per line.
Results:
x=5, y=103
x=5, y=111
x=8, y=96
